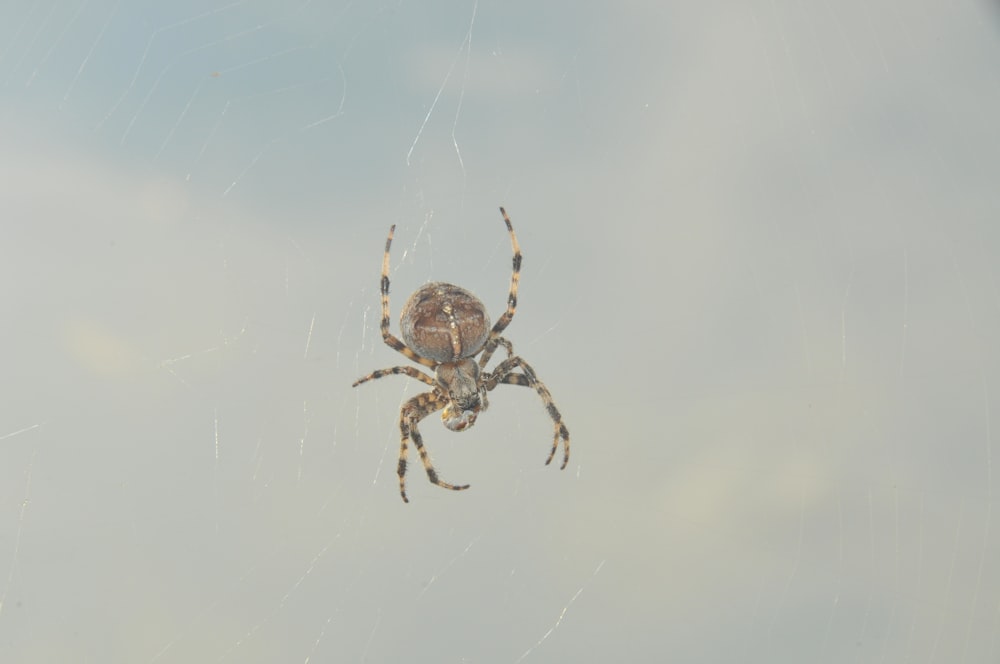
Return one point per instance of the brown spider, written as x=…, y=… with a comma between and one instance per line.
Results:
x=444, y=327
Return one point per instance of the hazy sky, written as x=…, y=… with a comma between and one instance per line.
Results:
x=760, y=280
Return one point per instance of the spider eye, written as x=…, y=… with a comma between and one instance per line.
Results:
x=458, y=420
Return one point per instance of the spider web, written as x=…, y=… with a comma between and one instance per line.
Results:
x=759, y=279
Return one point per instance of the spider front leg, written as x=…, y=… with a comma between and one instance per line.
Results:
x=410, y=414
x=502, y=374
x=409, y=371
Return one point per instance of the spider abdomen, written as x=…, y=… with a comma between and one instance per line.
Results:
x=444, y=322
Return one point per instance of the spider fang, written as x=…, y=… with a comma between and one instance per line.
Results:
x=459, y=421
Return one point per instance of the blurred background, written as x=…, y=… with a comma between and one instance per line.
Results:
x=760, y=280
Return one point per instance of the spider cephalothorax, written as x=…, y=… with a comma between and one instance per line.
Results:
x=444, y=327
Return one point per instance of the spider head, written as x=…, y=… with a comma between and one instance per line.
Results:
x=461, y=382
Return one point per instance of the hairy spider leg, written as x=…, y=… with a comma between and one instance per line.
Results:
x=412, y=412
x=412, y=372
x=515, y=278
x=491, y=347
x=502, y=374
x=387, y=336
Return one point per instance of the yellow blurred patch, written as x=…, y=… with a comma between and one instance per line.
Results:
x=100, y=350
x=162, y=201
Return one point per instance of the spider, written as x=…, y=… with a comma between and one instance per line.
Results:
x=444, y=327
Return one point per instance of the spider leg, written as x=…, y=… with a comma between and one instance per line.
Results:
x=410, y=414
x=515, y=278
x=516, y=379
x=502, y=374
x=491, y=347
x=387, y=336
x=412, y=372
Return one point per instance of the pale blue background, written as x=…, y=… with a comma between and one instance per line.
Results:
x=760, y=278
